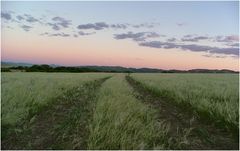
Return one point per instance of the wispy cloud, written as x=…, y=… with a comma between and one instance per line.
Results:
x=81, y=33
x=231, y=38
x=62, y=21
x=95, y=26
x=104, y=25
x=56, y=34
x=30, y=18
x=26, y=27
x=140, y=36
x=192, y=47
x=171, y=39
x=146, y=25
x=119, y=26
x=214, y=56
x=19, y=17
x=6, y=15
x=195, y=39
x=58, y=23
x=233, y=44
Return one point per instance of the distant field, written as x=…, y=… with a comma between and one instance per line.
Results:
x=119, y=111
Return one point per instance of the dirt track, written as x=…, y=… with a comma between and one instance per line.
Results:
x=185, y=123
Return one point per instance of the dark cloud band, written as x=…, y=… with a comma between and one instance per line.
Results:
x=195, y=48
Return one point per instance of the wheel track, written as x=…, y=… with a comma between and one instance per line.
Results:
x=62, y=125
x=202, y=135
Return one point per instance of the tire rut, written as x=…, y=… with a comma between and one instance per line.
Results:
x=184, y=123
x=62, y=125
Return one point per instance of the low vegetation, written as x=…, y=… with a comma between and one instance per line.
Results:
x=119, y=111
x=24, y=94
x=61, y=125
x=213, y=96
x=120, y=121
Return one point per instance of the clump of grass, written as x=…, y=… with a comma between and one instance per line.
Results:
x=122, y=122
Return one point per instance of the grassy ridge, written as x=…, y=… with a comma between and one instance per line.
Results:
x=214, y=96
x=122, y=122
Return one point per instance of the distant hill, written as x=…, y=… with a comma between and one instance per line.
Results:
x=12, y=66
x=16, y=64
x=210, y=71
x=122, y=69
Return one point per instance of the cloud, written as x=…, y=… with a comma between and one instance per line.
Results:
x=227, y=51
x=130, y=35
x=195, y=39
x=19, y=17
x=59, y=22
x=140, y=36
x=145, y=25
x=95, y=26
x=54, y=26
x=81, y=33
x=61, y=34
x=55, y=34
x=172, y=40
x=103, y=25
x=43, y=34
x=192, y=47
x=6, y=16
x=231, y=38
x=118, y=26
x=30, y=18
x=188, y=36
x=215, y=56
x=26, y=28
x=233, y=44
x=159, y=44
x=75, y=35
x=195, y=48
x=62, y=21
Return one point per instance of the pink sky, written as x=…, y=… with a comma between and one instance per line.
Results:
x=109, y=52
x=163, y=35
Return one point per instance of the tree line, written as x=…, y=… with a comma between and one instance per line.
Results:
x=48, y=68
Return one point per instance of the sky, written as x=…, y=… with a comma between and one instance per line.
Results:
x=165, y=35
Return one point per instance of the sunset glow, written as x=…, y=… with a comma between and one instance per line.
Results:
x=166, y=35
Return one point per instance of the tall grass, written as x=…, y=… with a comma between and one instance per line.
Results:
x=122, y=122
x=215, y=95
x=23, y=93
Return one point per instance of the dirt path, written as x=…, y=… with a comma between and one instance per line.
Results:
x=63, y=125
x=184, y=124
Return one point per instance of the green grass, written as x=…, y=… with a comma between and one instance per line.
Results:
x=120, y=121
x=111, y=115
x=212, y=95
x=62, y=125
x=22, y=94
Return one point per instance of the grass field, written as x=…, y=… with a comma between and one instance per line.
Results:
x=213, y=95
x=117, y=111
x=23, y=94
